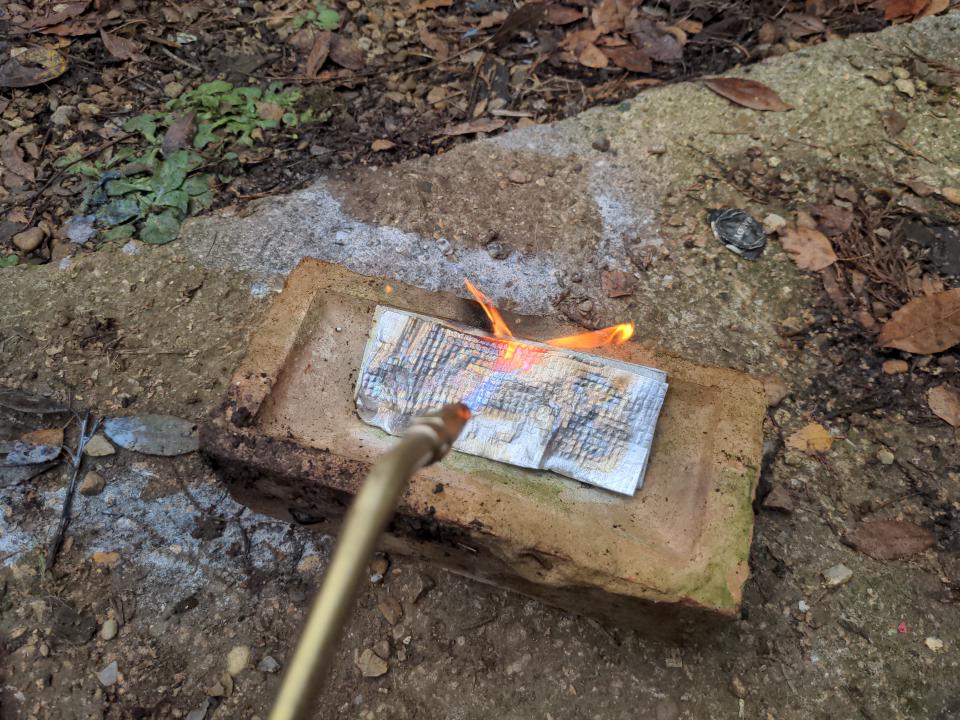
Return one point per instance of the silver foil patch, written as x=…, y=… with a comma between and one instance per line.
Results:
x=583, y=416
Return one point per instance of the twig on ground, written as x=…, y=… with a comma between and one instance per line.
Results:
x=77, y=460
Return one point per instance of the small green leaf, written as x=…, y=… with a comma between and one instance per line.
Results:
x=306, y=116
x=145, y=124
x=201, y=202
x=118, y=211
x=175, y=198
x=9, y=261
x=120, y=232
x=326, y=18
x=215, y=87
x=87, y=169
x=161, y=228
x=196, y=185
x=122, y=186
x=173, y=171
x=251, y=93
x=289, y=119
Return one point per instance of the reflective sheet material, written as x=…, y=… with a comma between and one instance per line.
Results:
x=584, y=416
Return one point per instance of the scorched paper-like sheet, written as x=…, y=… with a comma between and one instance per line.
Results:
x=580, y=415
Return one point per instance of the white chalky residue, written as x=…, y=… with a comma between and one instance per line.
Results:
x=312, y=223
x=154, y=535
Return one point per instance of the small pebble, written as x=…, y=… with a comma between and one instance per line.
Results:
x=268, y=665
x=108, y=676
x=802, y=606
x=92, y=484
x=237, y=660
x=900, y=73
x=173, y=89
x=885, y=456
x=64, y=115
x=378, y=569
x=29, y=240
x=109, y=629
x=519, y=177
x=737, y=687
x=934, y=644
x=895, y=367
x=881, y=76
x=773, y=222
x=601, y=145
x=837, y=575
x=905, y=87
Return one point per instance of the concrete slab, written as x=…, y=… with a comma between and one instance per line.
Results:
x=289, y=443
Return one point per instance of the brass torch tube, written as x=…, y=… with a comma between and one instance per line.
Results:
x=427, y=441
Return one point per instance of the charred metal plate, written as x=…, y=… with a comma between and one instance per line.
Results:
x=584, y=416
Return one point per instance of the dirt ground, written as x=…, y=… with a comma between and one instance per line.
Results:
x=163, y=574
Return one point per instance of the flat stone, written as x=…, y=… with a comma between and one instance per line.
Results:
x=677, y=550
x=98, y=446
x=371, y=664
x=837, y=575
x=391, y=610
x=885, y=456
x=29, y=240
x=237, y=660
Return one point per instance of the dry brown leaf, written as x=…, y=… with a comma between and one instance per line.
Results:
x=73, y=28
x=935, y=7
x=609, y=15
x=648, y=35
x=629, y=58
x=12, y=155
x=269, y=111
x=525, y=17
x=435, y=43
x=925, y=325
x=833, y=220
x=944, y=401
x=749, y=93
x=896, y=9
x=474, y=126
x=800, y=26
x=579, y=39
x=920, y=188
x=381, y=144
x=811, y=439
x=33, y=66
x=952, y=194
x=562, y=15
x=889, y=539
x=617, y=283
x=318, y=53
x=593, y=57
x=432, y=5
x=50, y=436
x=61, y=13
x=809, y=248
x=345, y=53
x=120, y=47
x=179, y=135
x=690, y=27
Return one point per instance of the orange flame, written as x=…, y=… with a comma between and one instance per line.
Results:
x=497, y=324
x=613, y=335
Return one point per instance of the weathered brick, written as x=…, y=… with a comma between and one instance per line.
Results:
x=289, y=443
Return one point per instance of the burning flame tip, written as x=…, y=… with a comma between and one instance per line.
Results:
x=613, y=335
